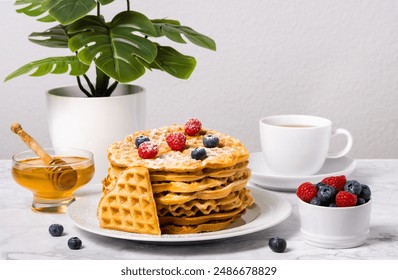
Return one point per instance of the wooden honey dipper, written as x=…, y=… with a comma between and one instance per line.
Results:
x=62, y=175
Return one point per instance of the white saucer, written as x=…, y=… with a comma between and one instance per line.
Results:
x=263, y=177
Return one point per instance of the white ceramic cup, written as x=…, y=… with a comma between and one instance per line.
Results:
x=298, y=144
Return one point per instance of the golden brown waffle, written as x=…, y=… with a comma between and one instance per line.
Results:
x=206, y=227
x=159, y=177
x=229, y=152
x=201, y=219
x=215, y=193
x=182, y=187
x=130, y=205
x=203, y=207
x=194, y=176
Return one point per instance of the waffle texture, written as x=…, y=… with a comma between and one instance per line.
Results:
x=130, y=205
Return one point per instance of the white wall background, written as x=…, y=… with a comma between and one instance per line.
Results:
x=337, y=59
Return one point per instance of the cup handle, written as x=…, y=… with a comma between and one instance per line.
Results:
x=348, y=146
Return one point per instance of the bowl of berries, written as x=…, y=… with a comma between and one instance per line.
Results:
x=334, y=213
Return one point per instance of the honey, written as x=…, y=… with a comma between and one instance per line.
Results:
x=34, y=175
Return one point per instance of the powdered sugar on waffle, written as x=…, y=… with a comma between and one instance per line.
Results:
x=229, y=152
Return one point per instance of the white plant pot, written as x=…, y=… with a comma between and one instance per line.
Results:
x=77, y=121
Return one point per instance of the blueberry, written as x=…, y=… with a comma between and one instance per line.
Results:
x=365, y=193
x=277, y=244
x=56, y=230
x=316, y=201
x=319, y=185
x=74, y=243
x=353, y=186
x=332, y=205
x=141, y=139
x=210, y=141
x=198, y=153
x=361, y=201
x=326, y=194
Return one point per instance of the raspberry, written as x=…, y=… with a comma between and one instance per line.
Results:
x=176, y=141
x=306, y=191
x=192, y=127
x=336, y=182
x=346, y=199
x=148, y=150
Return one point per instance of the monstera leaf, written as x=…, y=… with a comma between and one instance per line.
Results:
x=54, y=65
x=115, y=47
x=34, y=8
x=55, y=37
x=64, y=11
x=173, y=30
x=176, y=64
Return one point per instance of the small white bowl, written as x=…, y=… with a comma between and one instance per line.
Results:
x=334, y=227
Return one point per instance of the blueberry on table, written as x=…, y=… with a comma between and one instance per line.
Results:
x=277, y=244
x=56, y=230
x=74, y=243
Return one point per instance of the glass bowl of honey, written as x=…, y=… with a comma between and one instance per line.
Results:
x=53, y=187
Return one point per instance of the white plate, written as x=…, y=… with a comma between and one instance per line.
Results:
x=263, y=177
x=268, y=210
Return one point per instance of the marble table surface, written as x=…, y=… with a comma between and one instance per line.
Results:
x=24, y=233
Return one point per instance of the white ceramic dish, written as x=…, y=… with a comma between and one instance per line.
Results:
x=265, y=178
x=334, y=227
x=269, y=209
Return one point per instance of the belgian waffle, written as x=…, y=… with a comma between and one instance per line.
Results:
x=198, y=207
x=130, y=205
x=229, y=152
x=188, y=195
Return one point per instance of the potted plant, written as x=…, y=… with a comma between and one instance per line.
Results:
x=120, y=50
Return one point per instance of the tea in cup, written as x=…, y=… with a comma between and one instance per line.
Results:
x=294, y=145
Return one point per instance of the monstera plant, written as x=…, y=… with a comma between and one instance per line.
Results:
x=121, y=50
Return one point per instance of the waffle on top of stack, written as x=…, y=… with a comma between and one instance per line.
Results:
x=174, y=193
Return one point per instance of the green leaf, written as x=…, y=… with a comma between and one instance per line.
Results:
x=105, y=2
x=173, y=30
x=34, y=8
x=64, y=11
x=68, y=11
x=114, y=46
x=47, y=18
x=176, y=64
x=55, y=37
x=54, y=65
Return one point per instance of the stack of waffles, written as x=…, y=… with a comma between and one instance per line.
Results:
x=174, y=193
